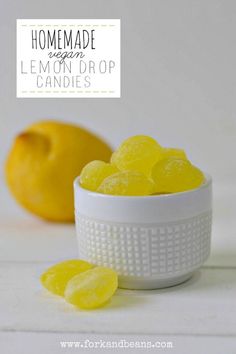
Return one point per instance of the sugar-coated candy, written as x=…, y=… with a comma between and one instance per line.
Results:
x=127, y=183
x=176, y=175
x=92, y=288
x=137, y=153
x=173, y=152
x=94, y=173
x=56, y=277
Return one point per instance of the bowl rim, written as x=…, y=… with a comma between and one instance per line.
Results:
x=206, y=184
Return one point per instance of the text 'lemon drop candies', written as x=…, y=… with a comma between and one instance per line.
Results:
x=176, y=175
x=92, y=288
x=56, y=277
x=137, y=153
x=94, y=173
x=127, y=183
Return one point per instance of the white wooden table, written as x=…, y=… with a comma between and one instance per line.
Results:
x=198, y=316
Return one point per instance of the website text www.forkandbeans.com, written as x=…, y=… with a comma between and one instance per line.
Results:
x=106, y=344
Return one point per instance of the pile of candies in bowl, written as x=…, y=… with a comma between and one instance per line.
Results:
x=140, y=167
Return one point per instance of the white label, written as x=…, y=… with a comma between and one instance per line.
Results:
x=68, y=58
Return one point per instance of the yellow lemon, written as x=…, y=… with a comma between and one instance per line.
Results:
x=43, y=162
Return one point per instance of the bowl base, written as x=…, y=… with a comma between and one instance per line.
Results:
x=135, y=283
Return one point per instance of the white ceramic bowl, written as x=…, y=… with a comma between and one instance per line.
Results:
x=152, y=241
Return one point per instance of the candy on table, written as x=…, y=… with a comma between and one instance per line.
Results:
x=128, y=183
x=94, y=173
x=92, y=288
x=82, y=284
x=56, y=277
x=137, y=153
x=176, y=175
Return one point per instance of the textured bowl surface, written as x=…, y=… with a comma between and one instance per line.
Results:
x=153, y=241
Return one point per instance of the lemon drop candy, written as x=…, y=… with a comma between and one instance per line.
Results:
x=173, y=152
x=56, y=277
x=92, y=288
x=94, y=173
x=176, y=175
x=137, y=153
x=130, y=183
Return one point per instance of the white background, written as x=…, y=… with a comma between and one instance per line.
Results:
x=178, y=85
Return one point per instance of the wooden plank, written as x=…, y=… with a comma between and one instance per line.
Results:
x=54, y=343
x=35, y=240
x=205, y=305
